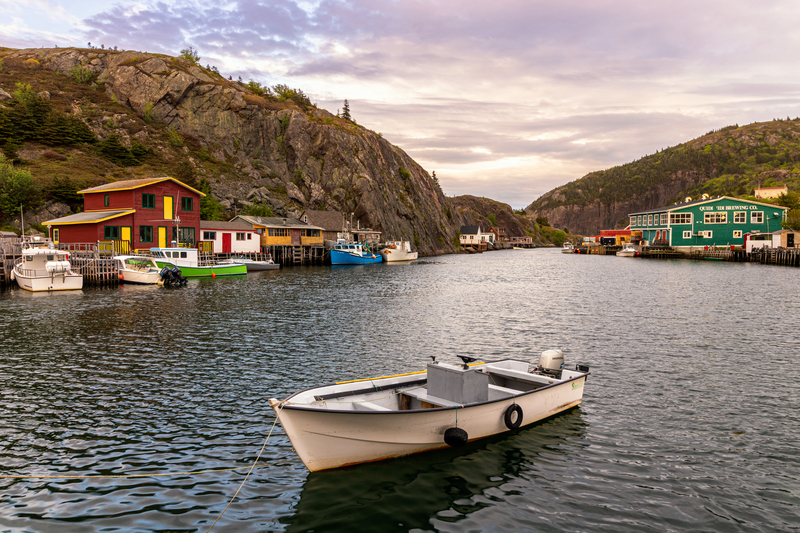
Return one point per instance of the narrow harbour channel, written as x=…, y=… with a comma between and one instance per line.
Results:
x=689, y=421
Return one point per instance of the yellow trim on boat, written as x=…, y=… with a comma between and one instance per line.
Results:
x=394, y=376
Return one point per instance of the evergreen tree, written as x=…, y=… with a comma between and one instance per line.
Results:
x=346, y=110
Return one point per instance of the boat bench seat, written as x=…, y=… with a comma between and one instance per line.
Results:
x=505, y=390
x=369, y=406
x=423, y=396
x=522, y=376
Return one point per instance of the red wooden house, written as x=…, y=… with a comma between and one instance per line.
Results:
x=148, y=213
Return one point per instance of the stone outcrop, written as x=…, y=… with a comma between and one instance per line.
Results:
x=258, y=149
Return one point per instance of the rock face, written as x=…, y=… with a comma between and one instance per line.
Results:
x=290, y=157
x=591, y=217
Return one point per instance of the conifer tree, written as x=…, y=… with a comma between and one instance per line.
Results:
x=346, y=110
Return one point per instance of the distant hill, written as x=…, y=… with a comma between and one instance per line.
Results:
x=74, y=118
x=731, y=161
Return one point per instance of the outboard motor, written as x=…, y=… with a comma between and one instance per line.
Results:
x=172, y=277
x=551, y=362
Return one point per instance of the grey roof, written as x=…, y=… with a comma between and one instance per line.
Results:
x=134, y=184
x=470, y=230
x=234, y=224
x=277, y=222
x=328, y=220
x=89, y=217
x=696, y=202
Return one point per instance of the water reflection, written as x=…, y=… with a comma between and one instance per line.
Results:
x=410, y=493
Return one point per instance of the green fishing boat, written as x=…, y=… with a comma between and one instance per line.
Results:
x=187, y=260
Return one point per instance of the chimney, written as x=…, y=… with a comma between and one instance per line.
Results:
x=284, y=221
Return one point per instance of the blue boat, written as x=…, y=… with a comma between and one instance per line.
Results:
x=352, y=253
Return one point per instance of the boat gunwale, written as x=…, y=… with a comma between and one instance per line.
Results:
x=410, y=411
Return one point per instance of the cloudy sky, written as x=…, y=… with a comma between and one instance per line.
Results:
x=504, y=99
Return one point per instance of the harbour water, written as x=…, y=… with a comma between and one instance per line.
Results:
x=690, y=418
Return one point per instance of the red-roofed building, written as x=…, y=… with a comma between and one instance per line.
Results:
x=147, y=213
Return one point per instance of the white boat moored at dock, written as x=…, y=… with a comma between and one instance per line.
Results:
x=139, y=269
x=628, y=250
x=398, y=251
x=447, y=405
x=44, y=268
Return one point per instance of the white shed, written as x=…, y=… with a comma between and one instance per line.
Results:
x=230, y=237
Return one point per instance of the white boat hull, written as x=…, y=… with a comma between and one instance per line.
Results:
x=393, y=255
x=56, y=282
x=142, y=278
x=326, y=439
x=626, y=253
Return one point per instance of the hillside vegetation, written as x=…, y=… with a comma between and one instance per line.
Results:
x=75, y=118
x=732, y=161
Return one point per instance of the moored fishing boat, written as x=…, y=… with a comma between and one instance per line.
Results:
x=186, y=259
x=628, y=250
x=398, y=251
x=253, y=265
x=568, y=248
x=353, y=253
x=446, y=405
x=138, y=269
x=44, y=268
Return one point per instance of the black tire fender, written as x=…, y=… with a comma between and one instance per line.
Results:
x=513, y=416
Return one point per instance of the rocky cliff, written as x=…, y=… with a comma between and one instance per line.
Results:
x=251, y=148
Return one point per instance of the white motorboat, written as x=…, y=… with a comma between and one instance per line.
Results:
x=398, y=251
x=253, y=265
x=44, y=268
x=628, y=250
x=568, y=248
x=369, y=420
x=138, y=269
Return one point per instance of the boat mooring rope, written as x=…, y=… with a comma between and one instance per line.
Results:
x=117, y=476
x=277, y=412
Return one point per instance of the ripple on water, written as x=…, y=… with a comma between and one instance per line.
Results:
x=688, y=422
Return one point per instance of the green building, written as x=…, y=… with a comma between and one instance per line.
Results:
x=721, y=221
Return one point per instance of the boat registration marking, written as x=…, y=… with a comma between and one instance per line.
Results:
x=577, y=384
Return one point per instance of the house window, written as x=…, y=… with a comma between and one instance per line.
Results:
x=737, y=234
x=106, y=200
x=739, y=217
x=757, y=217
x=239, y=235
x=663, y=219
x=56, y=234
x=687, y=234
x=715, y=218
x=278, y=232
x=249, y=236
x=649, y=220
x=209, y=235
x=148, y=201
x=633, y=221
x=111, y=232
x=187, y=204
x=183, y=235
x=639, y=220
x=145, y=233
x=680, y=218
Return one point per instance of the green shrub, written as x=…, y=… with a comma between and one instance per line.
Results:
x=112, y=149
x=147, y=112
x=297, y=96
x=81, y=74
x=17, y=189
x=210, y=209
x=258, y=210
x=405, y=173
x=190, y=55
x=175, y=138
